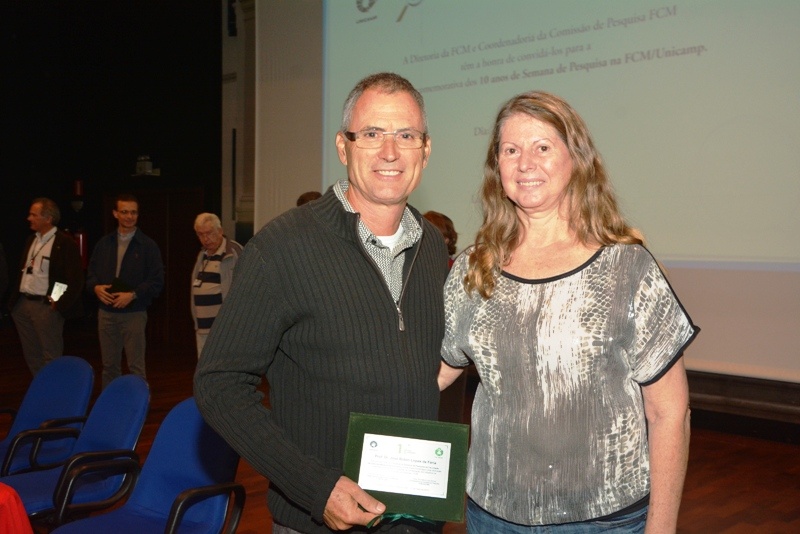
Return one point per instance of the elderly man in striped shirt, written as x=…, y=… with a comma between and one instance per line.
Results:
x=212, y=274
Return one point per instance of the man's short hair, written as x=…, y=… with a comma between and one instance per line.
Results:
x=208, y=218
x=125, y=197
x=387, y=82
x=308, y=196
x=49, y=209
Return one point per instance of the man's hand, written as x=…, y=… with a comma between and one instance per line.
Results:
x=103, y=295
x=349, y=505
x=116, y=300
x=121, y=300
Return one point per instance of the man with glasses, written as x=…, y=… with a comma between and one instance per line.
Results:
x=212, y=274
x=48, y=288
x=339, y=303
x=125, y=274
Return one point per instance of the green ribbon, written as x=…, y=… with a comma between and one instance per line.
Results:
x=391, y=517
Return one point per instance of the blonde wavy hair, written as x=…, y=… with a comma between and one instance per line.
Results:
x=593, y=213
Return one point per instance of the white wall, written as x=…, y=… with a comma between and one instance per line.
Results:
x=288, y=157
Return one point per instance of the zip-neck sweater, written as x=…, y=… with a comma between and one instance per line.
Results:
x=310, y=309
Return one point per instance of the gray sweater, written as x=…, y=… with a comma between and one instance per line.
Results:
x=309, y=308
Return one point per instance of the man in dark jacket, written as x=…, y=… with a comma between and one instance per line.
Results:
x=339, y=303
x=125, y=274
x=49, y=286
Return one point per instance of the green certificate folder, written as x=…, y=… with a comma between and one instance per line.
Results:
x=413, y=466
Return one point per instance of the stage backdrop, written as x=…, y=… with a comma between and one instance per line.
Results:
x=695, y=107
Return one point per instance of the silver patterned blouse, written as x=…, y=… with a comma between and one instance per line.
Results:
x=558, y=424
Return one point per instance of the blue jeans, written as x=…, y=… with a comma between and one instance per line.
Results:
x=479, y=521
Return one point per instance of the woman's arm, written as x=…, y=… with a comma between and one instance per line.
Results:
x=666, y=405
x=448, y=375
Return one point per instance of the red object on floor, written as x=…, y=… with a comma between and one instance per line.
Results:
x=13, y=518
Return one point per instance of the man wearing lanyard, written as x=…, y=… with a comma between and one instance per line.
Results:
x=40, y=302
x=212, y=274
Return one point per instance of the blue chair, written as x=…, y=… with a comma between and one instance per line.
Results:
x=111, y=430
x=186, y=481
x=61, y=390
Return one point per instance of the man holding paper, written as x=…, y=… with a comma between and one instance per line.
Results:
x=49, y=286
x=339, y=303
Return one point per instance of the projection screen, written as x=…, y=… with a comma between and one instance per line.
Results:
x=695, y=106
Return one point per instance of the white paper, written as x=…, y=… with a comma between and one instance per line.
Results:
x=58, y=290
x=404, y=465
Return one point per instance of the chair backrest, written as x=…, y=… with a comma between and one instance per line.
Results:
x=117, y=416
x=186, y=453
x=114, y=422
x=62, y=388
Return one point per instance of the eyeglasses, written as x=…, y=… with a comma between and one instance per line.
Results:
x=373, y=138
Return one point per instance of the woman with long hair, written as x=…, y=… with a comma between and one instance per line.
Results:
x=581, y=419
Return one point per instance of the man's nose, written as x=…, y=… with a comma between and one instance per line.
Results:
x=389, y=148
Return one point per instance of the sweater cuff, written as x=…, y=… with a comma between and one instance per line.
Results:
x=324, y=490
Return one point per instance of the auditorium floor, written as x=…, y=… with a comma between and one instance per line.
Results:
x=735, y=484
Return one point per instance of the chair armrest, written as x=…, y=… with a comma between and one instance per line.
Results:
x=189, y=497
x=63, y=421
x=76, y=460
x=36, y=435
x=106, y=463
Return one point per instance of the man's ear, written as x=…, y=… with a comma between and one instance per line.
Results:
x=341, y=147
x=426, y=152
